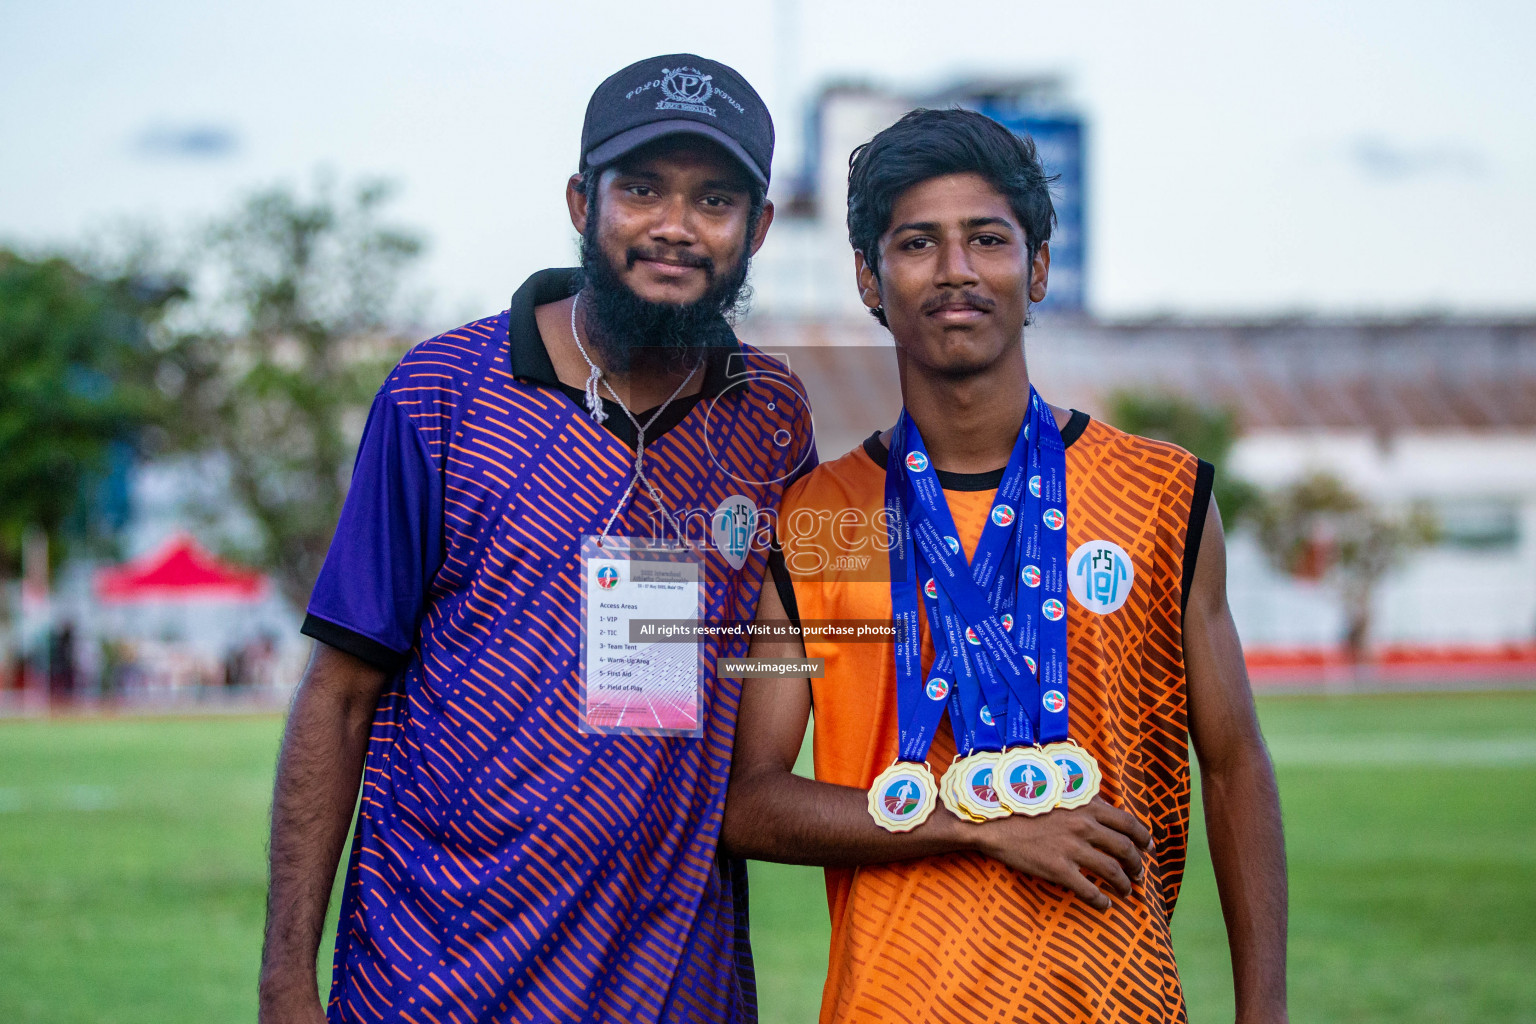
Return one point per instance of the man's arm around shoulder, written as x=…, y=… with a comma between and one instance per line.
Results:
x=1242, y=801
x=318, y=774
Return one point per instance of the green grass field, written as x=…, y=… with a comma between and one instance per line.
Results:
x=131, y=870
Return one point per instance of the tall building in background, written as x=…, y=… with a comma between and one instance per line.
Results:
x=1034, y=108
x=805, y=270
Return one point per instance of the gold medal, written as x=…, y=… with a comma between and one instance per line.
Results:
x=1078, y=771
x=950, y=794
x=978, y=787
x=1027, y=781
x=902, y=797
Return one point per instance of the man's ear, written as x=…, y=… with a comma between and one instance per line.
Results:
x=761, y=233
x=1040, y=273
x=576, y=202
x=869, y=281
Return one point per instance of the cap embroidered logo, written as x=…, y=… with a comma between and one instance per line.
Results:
x=686, y=89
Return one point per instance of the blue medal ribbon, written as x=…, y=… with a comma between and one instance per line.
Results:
x=920, y=703
x=1019, y=565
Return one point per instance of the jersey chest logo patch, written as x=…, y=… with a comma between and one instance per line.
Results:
x=1100, y=575
x=732, y=526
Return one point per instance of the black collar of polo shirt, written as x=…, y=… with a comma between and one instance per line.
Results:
x=529, y=356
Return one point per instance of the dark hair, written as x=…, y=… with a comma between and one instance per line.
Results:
x=928, y=144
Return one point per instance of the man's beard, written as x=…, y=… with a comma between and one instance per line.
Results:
x=633, y=334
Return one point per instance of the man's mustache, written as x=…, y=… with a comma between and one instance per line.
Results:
x=679, y=258
x=951, y=298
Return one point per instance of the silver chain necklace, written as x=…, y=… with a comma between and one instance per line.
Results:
x=595, y=377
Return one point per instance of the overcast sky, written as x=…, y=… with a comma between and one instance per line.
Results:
x=1365, y=157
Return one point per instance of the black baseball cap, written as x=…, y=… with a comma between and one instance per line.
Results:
x=678, y=94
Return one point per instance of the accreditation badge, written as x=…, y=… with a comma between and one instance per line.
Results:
x=902, y=797
x=1027, y=781
x=1078, y=771
x=641, y=604
x=978, y=787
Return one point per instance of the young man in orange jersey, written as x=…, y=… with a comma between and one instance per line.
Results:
x=1058, y=916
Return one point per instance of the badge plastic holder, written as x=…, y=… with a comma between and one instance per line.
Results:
x=632, y=686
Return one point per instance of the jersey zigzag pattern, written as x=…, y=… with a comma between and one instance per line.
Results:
x=961, y=938
x=508, y=867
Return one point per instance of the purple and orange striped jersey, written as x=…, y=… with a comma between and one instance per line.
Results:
x=507, y=866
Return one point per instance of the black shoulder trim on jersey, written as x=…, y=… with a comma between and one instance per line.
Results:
x=359, y=646
x=875, y=450
x=784, y=584
x=1076, y=424
x=1199, y=504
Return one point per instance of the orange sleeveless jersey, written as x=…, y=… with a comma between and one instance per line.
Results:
x=961, y=937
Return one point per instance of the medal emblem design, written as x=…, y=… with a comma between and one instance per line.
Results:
x=1073, y=775
x=980, y=784
x=1053, y=701
x=986, y=715
x=953, y=543
x=917, y=462
x=937, y=688
x=607, y=577
x=971, y=637
x=1002, y=515
x=1034, y=485
x=1030, y=575
x=1029, y=781
x=1052, y=609
x=931, y=588
x=902, y=797
x=978, y=787
x=1078, y=771
x=1031, y=664
x=1007, y=621
x=1053, y=519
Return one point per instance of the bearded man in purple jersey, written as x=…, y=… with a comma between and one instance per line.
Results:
x=526, y=848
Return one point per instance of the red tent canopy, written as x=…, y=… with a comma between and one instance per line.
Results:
x=181, y=570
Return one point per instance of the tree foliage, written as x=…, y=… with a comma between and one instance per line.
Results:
x=276, y=379
x=75, y=388
x=1318, y=528
x=1205, y=432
